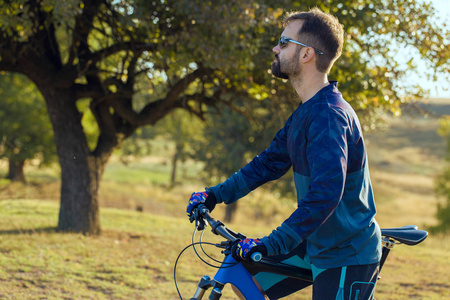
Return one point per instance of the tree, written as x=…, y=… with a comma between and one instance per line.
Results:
x=232, y=137
x=108, y=45
x=372, y=88
x=184, y=131
x=24, y=125
x=194, y=54
x=443, y=185
x=180, y=128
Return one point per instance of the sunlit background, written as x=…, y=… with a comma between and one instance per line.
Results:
x=441, y=88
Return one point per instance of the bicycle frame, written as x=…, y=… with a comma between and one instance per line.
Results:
x=240, y=274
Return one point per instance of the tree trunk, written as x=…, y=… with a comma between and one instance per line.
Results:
x=173, y=176
x=81, y=171
x=175, y=160
x=15, y=170
x=230, y=209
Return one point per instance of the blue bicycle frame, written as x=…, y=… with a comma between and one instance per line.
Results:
x=238, y=276
x=241, y=274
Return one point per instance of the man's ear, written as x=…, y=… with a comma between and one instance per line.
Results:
x=307, y=55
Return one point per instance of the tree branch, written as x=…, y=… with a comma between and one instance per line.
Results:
x=7, y=65
x=88, y=91
x=131, y=70
x=156, y=110
x=83, y=26
x=124, y=46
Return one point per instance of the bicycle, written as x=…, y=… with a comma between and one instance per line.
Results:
x=240, y=274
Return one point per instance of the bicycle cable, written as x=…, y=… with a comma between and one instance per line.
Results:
x=207, y=255
x=207, y=263
x=175, y=266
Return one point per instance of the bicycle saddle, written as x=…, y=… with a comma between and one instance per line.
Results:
x=408, y=235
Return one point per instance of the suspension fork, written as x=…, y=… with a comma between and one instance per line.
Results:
x=205, y=283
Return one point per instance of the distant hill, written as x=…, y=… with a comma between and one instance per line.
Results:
x=440, y=106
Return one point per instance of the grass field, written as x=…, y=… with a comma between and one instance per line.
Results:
x=135, y=255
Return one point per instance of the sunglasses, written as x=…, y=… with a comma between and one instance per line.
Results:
x=284, y=41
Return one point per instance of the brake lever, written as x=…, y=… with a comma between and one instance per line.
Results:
x=226, y=246
x=200, y=224
x=223, y=245
x=191, y=218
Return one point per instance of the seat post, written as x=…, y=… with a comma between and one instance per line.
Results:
x=384, y=254
x=388, y=244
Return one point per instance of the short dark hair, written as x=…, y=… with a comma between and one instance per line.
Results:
x=323, y=32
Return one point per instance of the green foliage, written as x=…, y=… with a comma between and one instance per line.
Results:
x=182, y=128
x=88, y=121
x=133, y=62
x=25, y=130
x=136, y=146
x=233, y=42
x=443, y=185
x=231, y=138
x=226, y=144
x=443, y=206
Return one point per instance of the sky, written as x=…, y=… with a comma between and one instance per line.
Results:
x=443, y=8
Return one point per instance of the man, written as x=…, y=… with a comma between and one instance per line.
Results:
x=333, y=230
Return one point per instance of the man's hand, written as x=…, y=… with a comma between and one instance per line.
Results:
x=244, y=249
x=209, y=200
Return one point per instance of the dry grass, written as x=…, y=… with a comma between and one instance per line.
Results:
x=134, y=257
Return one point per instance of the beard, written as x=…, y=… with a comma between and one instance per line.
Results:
x=290, y=69
x=276, y=69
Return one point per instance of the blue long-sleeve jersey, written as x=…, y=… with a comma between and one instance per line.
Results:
x=322, y=141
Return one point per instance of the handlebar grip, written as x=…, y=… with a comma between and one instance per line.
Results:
x=256, y=257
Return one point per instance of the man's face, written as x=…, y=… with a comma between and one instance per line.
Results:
x=286, y=64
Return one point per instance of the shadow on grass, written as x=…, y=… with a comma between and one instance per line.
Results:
x=30, y=231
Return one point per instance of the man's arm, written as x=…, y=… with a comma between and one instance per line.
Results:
x=271, y=164
x=327, y=153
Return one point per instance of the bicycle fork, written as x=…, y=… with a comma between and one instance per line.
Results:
x=205, y=283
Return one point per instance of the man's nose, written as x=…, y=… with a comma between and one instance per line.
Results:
x=276, y=49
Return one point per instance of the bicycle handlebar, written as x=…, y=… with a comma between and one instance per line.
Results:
x=256, y=257
x=218, y=228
